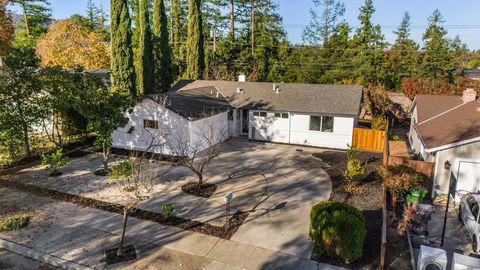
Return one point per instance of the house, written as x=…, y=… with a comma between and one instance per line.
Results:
x=303, y=114
x=446, y=130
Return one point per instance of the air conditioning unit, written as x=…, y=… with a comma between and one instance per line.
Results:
x=432, y=259
x=462, y=262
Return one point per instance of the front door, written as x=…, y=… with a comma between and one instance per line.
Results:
x=245, y=121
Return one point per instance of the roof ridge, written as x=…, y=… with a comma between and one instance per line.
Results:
x=443, y=113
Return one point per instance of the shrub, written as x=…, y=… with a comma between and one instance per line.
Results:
x=379, y=123
x=337, y=230
x=55, y=161
x=354, y=170
x=14, y=223
x=351, y=153
x=167, y=210
x=416, y=195
x=399, y=179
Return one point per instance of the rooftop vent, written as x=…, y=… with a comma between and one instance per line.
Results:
x=274, y=87
x=218, y=94
x=242, y=78
x=469, y=95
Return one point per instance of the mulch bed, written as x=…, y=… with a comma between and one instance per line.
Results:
x=129, y=253
x=369, y=202
x=101, y=172
x=205, y=191
x=224, y=232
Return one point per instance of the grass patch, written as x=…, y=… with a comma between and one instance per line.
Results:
x=14, y=223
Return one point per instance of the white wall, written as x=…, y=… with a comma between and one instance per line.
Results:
x=172, y=127
x=340, y=138
x=209, y=131
x=416, y=144
x=234, y=125
x=296, y=130
x=469, y=153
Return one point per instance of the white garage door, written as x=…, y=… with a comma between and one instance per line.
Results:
x=468, y=176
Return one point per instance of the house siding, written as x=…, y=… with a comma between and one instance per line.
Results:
x=296, y=130
x=469, y=153
x=209, y=131
x=171, y=127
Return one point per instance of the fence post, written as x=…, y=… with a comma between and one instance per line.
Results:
x=386, y=150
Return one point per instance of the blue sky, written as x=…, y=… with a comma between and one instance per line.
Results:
x=462, y=16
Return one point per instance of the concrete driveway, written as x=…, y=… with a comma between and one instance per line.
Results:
x=277, y=184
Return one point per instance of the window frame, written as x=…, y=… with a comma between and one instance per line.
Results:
x=321, y=128
x=146, y=125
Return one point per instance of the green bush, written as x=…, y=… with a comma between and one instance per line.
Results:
x=354, y=170
x=14, y=223
x=379, y=123
x=55, y=161
x=167, y=210
x=351, y=153
x=416, y=195
x=337, y=230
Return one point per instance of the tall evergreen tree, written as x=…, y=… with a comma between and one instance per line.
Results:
x=145, y=68
x=337, y=56
x=437, y=58
x=369, y=46
x=178, y=35
x=322, y=25
x=404, y=54
x=36, y=17
x=195, y=49
x=162, y=51
x=123, y=70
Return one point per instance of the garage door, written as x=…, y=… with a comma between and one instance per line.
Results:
x=468, y=176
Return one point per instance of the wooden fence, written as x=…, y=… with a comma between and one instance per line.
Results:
x=426, y=169
x=369, y=140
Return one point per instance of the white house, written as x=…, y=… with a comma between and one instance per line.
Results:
x=446, y=130
x=303, y=114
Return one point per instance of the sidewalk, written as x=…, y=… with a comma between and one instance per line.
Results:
x=82, y=234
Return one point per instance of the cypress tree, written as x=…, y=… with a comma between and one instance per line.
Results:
x=195, y=50
x=123, y=71
x=145, y=71
x=178, y=35
x=162, y=50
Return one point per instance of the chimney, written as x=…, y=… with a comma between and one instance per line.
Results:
x=469, y=95
x=242, y=78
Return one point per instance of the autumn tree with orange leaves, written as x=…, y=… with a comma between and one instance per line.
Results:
x=6, y=29
x=69, y=44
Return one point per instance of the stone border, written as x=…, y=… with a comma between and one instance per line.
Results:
x=40, y=256
x=224, y=232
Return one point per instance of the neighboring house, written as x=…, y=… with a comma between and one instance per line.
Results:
x=303, y=114
x=446, y=130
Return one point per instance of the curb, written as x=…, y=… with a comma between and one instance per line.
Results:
x=40, y=256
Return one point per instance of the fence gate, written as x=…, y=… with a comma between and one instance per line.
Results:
x=368, y=140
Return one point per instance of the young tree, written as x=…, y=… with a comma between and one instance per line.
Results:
x=104, y=109
x=437, y=58
x=322, y=25
x=6, y=30
x=135, y=178
x=369, y=45
x=122, y=66
x=195, y=49
x=404, y=54
x=145, y=70
x=162, y=51
x=68, y=44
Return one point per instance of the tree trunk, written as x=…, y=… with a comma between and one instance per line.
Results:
x=26, y=141
x=125, y=220
x=105, y=158
x=200, y=181
x=325, y=24
x=252, y=23
x=25, y=18
x=232, y=19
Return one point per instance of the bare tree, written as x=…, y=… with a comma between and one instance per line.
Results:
x=135, y=178
x=197, y=151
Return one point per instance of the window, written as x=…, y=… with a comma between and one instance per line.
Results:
x=327, y=124
x=321, y=123
x=150, y=124
x=230, y=115
x=263, y=114
x=281, y=115
x=315, y=122
x=278, y=115
x=256, y=113
x=285, y=115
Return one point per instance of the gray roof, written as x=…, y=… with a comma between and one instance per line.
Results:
x=193, y=104
x=292, y=97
